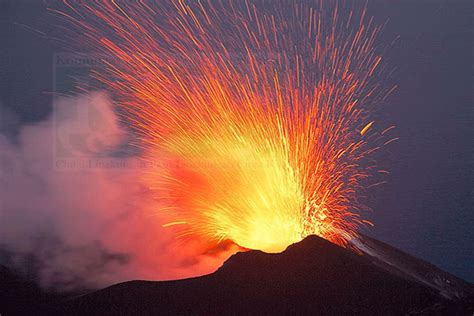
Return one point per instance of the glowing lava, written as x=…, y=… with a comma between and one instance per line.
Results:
x=258, y=112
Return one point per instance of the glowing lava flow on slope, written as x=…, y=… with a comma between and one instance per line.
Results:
x=260, y=111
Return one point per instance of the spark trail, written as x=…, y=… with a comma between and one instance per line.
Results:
x=260, y=110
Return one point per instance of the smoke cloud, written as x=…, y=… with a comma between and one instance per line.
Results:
x=73, y=209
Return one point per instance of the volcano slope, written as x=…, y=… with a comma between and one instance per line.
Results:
x=313, y=276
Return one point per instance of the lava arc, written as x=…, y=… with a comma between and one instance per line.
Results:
x=259, y=114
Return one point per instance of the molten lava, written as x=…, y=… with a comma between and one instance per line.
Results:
x=257, y=112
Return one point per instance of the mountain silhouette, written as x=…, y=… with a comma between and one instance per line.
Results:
x=313, y=277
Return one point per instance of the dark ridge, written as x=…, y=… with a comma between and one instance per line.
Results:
x=310, y=277
x=20, y=296
x=404, y=265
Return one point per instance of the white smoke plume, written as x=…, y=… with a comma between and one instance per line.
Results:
x=73, y=208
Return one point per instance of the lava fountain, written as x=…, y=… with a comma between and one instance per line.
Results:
x=259, y=112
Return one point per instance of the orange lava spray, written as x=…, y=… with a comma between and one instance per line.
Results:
x=259, y=111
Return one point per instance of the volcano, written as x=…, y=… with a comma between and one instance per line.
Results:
x=313, y=276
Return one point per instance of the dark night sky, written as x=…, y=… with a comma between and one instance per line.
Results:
x=426, y=208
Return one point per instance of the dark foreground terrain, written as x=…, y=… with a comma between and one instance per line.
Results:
x=311, y=277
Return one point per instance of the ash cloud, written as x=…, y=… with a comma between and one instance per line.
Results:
x=74, y=211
